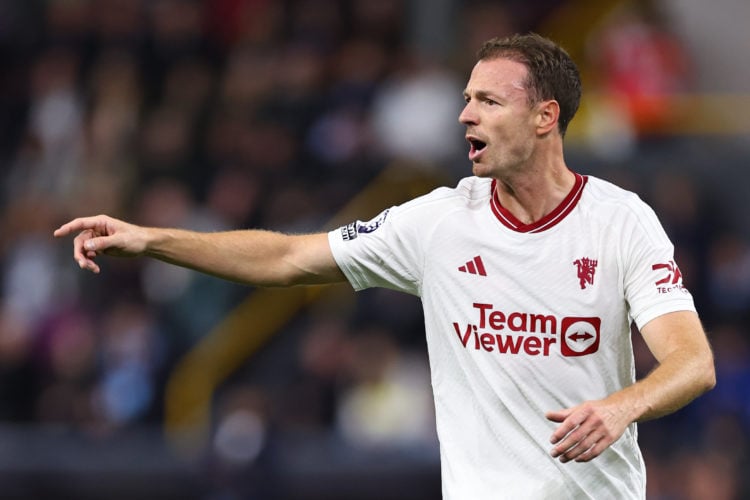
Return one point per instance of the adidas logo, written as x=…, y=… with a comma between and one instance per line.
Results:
x=474, y=266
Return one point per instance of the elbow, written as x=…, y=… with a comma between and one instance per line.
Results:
x=710, y=379
x=708, y=372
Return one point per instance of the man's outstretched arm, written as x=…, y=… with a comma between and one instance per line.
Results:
x=685, y=370
x=253, y=257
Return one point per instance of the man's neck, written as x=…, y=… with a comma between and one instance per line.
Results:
x=531, y=194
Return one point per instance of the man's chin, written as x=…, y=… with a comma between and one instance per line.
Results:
x=480, y=170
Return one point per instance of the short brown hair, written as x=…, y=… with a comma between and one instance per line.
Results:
x=552, y=72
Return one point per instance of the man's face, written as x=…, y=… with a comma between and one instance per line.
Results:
x=500, y=122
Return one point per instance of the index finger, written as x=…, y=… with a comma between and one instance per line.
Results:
x=571, y=422
x=76, y=225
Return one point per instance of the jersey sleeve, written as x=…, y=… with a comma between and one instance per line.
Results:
x=652, y=279
x=386, y=251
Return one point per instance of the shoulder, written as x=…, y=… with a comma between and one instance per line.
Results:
x=609, y=199
x=606, y=193
x=469, y=192
x=421, y=215
x=619, y=208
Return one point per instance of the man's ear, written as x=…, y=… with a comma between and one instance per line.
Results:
x=547, y=116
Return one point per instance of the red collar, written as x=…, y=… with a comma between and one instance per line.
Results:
x=546, y=222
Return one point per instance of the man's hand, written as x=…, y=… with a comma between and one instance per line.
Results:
x=586, y=430
x=103, y=234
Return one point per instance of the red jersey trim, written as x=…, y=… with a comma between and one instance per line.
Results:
x=546, y=222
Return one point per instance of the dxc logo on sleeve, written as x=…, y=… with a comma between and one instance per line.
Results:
x=670, y=277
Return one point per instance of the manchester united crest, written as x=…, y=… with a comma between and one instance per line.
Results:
x=586, y=269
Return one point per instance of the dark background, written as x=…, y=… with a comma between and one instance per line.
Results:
x=149, y=381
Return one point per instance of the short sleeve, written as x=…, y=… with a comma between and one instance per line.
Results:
x=653, y=280
x=383, y=252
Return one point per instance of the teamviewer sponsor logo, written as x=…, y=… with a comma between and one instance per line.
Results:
x=532, y=334
x=580, y=336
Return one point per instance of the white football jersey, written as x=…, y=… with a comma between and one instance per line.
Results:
x=521, y=320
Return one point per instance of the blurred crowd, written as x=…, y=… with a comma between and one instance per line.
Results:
x=223, y=114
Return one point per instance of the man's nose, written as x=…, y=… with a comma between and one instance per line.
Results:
x=468, y=116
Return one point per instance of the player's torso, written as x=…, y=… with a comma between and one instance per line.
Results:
x=539, y=297
x=518, y=325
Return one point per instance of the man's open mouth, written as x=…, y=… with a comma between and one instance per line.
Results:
x=476, y=147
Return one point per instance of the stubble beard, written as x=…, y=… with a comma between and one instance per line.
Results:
x=480, y=170
x=496, y=168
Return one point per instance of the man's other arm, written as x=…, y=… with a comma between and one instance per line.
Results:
x=685, y=370
x=254, y=257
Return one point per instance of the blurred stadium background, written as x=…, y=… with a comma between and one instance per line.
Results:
x=153, y=382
